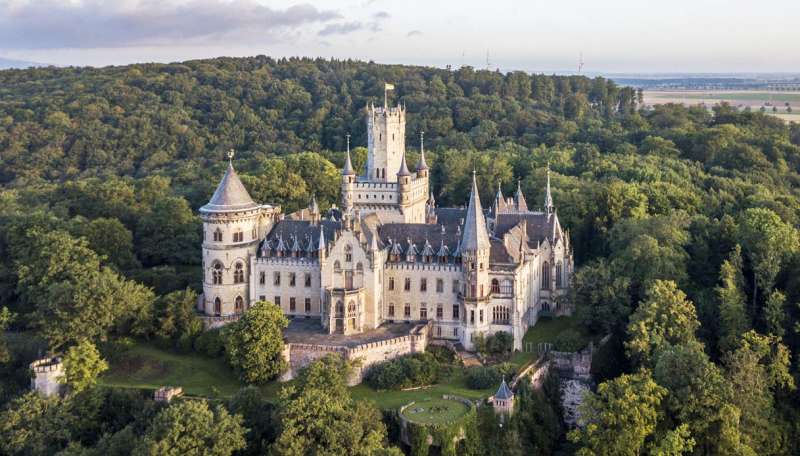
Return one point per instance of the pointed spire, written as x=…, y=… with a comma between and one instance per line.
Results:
x=519, y=198
x=403, y=167
x=475, y=236
x=348, y=165
x=422, y=165
x=230, y=195
x=373, y=245
x=499, y=204
x=313, y=208
x=548, y=198
x=321, y=245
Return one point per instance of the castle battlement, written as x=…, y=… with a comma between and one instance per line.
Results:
x=44, y=365
x=407, y=266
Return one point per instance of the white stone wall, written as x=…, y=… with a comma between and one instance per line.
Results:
x=267, y=268
x=228, y=254
x=415, y=297
x=386, y=129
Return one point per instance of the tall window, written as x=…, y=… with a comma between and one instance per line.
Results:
x=507, y=287
x=495, y=286
x=455, y=311
x=216, y=274
x=217, y=235
x=308, y=305
x=439, y=312
x=391, y=283
x=407, y=286
x=276, y=279
x=238, y=305
x=423, y=312
x=238, y=273
x=348, y=253
x=391, y=310
x=292, y=279
x=217, y=307
x=423, y=284
x=439, y=285
x=262, y=278
x=308, y=280
x=559, y=277
x=407, y=311
x=238, y=236
x=545, y=276
x=278, y=301
x=253, y=233
x=292, y=304
x=455, y=286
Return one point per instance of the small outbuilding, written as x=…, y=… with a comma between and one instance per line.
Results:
x=503, y=399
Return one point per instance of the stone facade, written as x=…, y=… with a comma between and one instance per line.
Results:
x=388, y=254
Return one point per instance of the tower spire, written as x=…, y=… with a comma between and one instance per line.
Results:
x=422, y=163
x=348, y=165
x=519, y=198
x=403, y=167
x=475, y=236
x=548, y=198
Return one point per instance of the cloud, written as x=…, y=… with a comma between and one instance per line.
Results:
x=381, y=15
x=414, y=33
x=53, y=24
x=341, y=29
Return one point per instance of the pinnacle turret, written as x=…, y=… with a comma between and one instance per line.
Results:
x=519, y=199
x=348, y=165
x=475, y=236
x=422, y=165
x=403, y=167
x=548, y=198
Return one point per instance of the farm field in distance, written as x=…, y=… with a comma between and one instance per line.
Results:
x=755, y=99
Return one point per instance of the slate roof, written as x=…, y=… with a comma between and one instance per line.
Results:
x=539, y=226
x=504, y=392
x=475, y=236
x=418, y=233
x=230, y=195
x=306, y=235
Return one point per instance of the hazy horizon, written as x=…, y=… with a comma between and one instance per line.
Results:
x=613, y=37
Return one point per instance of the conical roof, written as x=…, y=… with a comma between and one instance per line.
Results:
x=504, y=392
x=230, y=195
x=499, y=204
x=422, y=164
x=348, y=165
x=475, y=236
x=403, y=167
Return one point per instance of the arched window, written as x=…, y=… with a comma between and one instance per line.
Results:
x=545, y=276
x=216, y=274
x=359, y=267
x=507, y=287
x=218, y=235
x=351, y=308
x=495, y=286
x=559, y=276
x=217, y=307
x=348, y=253
x=238, y=236
x=238, y=305
x=546, y=306
x=339, y=308
x=238, y=273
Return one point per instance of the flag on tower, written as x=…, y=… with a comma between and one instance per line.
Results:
x=388, y=86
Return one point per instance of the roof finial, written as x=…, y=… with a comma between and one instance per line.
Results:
x=422, y=165
x=348, y=164
x=231, y=152
x=348, y=142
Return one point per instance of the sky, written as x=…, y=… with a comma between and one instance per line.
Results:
x=612, y=36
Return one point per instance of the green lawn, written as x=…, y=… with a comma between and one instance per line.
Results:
x=435, y=411
x=148, y=367
x=392, y=399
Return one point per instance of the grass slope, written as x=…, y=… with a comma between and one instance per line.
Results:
x=147, y=367
x=435, y=411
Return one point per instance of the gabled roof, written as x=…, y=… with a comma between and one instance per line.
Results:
x=230, y=195
x=475, y=236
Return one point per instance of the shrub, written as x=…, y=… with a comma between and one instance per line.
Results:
x=500, y=343
x=210, y=343
x=442, y=354
x=483, y=377
x=570, y=340
x=409, y=371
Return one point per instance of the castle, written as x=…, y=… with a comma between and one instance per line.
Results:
x=388, y=254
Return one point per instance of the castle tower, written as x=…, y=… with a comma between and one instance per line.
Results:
x=232, y=227
x=386, y=130
x=474, y=247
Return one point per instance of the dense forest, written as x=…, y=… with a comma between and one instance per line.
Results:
x=684, y=223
